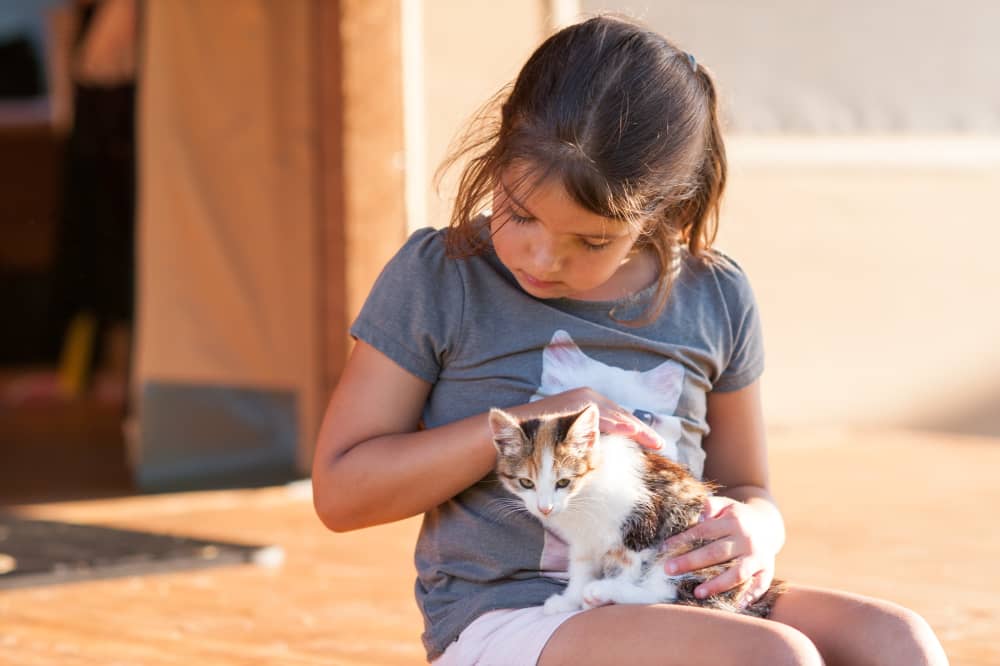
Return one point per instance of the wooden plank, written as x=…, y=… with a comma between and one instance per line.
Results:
x=375, y=211
x=331, y=248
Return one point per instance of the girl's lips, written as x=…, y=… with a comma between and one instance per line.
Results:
x=535, y=282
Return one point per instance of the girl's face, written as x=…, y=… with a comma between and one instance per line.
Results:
x=555, y=248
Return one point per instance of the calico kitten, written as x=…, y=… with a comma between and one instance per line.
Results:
x=614, y=503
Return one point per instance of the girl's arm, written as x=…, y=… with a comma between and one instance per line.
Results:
x=373, y=466
x=737, y=453
x=744, y=521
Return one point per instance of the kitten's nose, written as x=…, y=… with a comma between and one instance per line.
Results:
x=546, y=510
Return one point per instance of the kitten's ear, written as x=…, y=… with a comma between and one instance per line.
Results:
x=584, y=434
x=508, y=438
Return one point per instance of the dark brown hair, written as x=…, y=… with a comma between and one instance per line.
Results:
x=627, y=123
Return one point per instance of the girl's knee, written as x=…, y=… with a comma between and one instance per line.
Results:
x=786, y=646
x=913, y=638
x=891, y=634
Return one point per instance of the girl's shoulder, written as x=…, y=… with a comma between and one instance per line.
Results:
x=422, y=260
x=429, y=255
x=425, y=244
x=715, y=271
x=413, y=313
x=714, y=262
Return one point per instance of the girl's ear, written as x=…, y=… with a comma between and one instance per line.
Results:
x=584, y=434
x=508, y=438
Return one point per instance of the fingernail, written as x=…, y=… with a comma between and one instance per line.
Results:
x=671, y=567
x=701, y=592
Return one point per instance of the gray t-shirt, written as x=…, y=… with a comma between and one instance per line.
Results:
x=465, y=326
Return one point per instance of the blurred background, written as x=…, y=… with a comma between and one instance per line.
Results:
x=195, y=198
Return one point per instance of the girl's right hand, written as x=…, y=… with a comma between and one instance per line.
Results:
x=615, y=420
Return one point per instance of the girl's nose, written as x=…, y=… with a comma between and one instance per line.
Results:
x=547, y=258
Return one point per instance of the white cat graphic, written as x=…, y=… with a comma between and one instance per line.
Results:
x=652, y=396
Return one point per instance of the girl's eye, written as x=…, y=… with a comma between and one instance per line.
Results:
x=526, y=484
x=518, y=219
x=562, y=483
x=594, y=247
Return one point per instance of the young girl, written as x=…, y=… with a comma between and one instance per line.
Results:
x=591, y=279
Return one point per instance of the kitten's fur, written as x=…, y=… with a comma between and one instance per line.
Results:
x=614, y=503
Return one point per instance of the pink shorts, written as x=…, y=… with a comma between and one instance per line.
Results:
x=509, y=637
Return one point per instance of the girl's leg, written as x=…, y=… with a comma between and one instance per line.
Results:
x=860, y=631
x=682, y=635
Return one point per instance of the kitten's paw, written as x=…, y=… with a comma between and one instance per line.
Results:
x=598, y=593
x=559, y=603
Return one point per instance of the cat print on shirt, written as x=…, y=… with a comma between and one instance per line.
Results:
x=651, y=395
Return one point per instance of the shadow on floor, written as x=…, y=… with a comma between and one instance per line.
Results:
x=979, y=418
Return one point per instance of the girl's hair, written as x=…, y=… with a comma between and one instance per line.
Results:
x=627, y=123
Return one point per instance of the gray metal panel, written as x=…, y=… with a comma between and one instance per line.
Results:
x=202, y=436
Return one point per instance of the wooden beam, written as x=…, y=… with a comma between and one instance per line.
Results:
x=361, y=162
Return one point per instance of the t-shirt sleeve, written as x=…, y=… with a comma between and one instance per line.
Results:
x=746, y=349
x=414, y=311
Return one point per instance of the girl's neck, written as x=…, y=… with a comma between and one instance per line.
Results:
x=639, y=270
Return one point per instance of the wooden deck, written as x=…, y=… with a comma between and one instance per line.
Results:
x=907, y=516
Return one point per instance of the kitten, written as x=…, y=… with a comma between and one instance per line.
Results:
x=614, y=503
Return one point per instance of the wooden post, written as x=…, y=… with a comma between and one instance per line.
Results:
x=362, y=201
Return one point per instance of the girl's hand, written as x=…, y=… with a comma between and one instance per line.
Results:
x=739, y=533
x=615, y=420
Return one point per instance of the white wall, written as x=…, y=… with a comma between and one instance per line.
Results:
x=842, y=66
x=470, y=50
x=877, y=278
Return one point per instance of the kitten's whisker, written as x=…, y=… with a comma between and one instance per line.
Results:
x=505, y=507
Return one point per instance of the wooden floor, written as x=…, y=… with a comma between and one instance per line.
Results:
x=906, y=516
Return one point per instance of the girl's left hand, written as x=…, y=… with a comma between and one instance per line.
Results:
x=738, y=532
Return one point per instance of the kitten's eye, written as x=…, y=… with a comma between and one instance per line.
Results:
x=562, y=483
x=526, y=483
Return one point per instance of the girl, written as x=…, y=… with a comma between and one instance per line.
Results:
x=591, y=279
